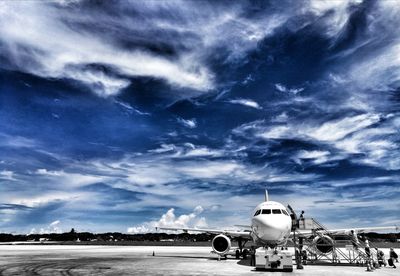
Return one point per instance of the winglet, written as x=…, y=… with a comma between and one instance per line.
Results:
x=266, y=195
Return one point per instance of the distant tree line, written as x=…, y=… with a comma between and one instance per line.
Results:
x=153, y=237
x=109, y=236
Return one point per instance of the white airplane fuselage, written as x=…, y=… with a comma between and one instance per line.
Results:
x=271, y=224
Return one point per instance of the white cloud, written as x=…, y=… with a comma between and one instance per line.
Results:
x=318, y=157
x=44, y=198
x=202, y=152
x=70, y=179
x=209, y=169
x=312, y=154
x=46, y=172
x=51, y=228
x=277, y=132
x=17, y=141
x=169, y=219
x=281, y=118
x=164, y=148
x=371, y=136
x=39, y=28
x=334, y=13
x=7, y=175
x=282, y=88
x=54, y=41
x=187, y=150
x=130, y=108
x=329, y=131
x=55, y=223
x=246, y=102
x=380, y=71
x=248, y=79
x=377, y=146
x=189, y=123
x=338, y=129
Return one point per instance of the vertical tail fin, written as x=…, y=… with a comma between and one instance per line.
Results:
x=266, y=195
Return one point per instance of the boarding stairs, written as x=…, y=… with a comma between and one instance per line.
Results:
x=348, y=251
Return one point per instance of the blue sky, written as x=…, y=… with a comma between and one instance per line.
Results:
x=124, y=115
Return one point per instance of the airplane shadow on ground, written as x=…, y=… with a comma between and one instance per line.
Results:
x=245, y=262
x=183, y=257
x=240, y=262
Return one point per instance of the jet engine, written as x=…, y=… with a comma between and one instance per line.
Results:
x=323, y=243
x=221, y=244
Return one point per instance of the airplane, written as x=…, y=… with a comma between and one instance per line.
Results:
x=271, y=226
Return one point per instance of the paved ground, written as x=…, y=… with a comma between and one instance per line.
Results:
x=138, y=260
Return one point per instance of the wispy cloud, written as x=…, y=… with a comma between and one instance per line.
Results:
x=317, y=157
x=368, y=134
x=280, y=87
x=328, y=131
x=246, y=102
x=7, y=175
x=189, y=123
x=40, y=38
x=130, y=108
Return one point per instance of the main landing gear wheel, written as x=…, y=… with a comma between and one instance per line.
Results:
x=245, y=253
x=237, y=255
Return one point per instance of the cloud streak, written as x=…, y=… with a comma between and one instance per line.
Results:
x=246, y=102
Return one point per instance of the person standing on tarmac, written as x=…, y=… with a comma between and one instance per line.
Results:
x=252, y=256
x=392, y=258
x=381, y=257
x=367, y=250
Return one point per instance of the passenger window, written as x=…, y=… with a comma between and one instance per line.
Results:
x=283, y=211
x=266, y=211
x=276, y=211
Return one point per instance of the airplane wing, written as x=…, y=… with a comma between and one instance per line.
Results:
x=232, y=233
x=363, y=229
x=346, y=231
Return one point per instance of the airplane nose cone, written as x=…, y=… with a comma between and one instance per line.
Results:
x=272, y=230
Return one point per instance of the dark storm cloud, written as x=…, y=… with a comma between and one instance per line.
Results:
x=201, y=103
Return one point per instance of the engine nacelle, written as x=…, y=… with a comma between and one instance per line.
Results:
x=324, y=244
x=221, y=244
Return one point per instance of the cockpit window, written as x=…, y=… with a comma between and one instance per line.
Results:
x=284, y=211
x=276, y=211
x=257, y=213
x=266, y=211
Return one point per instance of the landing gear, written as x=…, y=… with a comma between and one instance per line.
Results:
x=241, y=251
x=245, y=253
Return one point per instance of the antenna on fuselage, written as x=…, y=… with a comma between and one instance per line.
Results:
x=266, y=195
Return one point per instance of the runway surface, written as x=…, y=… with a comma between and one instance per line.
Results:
x=139, y=260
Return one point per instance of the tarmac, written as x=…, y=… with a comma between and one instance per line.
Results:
x=139, y=260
